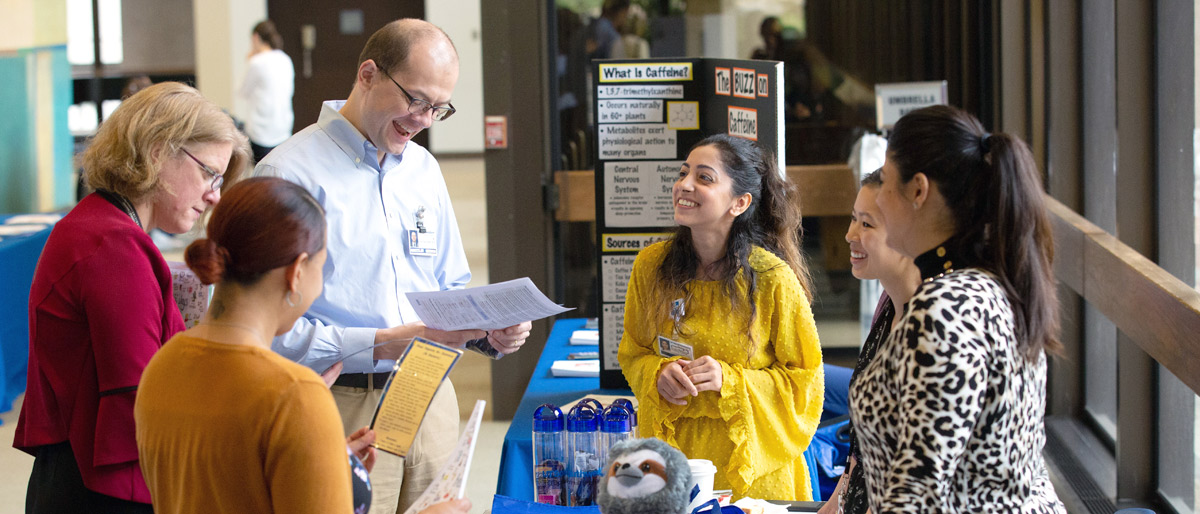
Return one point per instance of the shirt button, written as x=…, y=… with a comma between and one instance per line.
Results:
x=357, y=160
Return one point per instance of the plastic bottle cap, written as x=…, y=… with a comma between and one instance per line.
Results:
x=616, y=419
x=547, y=418
x=593, y=403
x=624, y=402
x=582, y=418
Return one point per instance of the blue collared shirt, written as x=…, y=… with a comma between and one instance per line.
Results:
x=370, y=209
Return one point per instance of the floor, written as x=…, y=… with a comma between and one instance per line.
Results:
x=471, y=376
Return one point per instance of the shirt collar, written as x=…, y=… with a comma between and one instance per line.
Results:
x=949, y=255
x=349, y=139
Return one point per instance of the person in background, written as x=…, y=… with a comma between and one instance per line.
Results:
x=950, y=414
x=135, y=84
x=631, y=44
x=101, y=303
x=266, y=90
x=871, y=259
x=604, y=32
x=731, y=285
x=379, y=189
x=771, y=30
x=223, y=423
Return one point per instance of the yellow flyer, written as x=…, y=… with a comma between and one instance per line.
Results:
x=415, y=378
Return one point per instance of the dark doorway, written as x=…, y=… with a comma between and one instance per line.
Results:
x=334, y=57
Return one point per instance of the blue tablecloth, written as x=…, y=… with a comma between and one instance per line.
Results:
x=516, y=458
x=18, y=258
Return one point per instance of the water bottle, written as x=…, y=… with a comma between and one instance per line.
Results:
x=616, y=425
x=593, y=403
x=624, y=402
x=583, y=456
x=549, y=457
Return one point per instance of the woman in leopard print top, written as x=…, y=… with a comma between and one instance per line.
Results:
x=949, y=414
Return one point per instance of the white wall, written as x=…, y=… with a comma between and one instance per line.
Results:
x=222, y=36
x=463, y=132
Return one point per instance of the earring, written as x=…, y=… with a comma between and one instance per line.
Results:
x=289, y=301
x=914, y=205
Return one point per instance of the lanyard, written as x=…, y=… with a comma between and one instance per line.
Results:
x=121, y=203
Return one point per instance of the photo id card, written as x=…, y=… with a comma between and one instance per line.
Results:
x=422, y=243
x=671, y=348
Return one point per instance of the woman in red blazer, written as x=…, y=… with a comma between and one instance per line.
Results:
x=101, y=301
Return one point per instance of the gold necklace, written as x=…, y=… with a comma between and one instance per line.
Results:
x=235, y=325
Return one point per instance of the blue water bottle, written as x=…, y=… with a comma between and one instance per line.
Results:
x=624, y=402
x=583, y=456
x=549, y=456
x=616, y=425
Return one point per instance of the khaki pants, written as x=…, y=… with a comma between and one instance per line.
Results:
x=396, y=482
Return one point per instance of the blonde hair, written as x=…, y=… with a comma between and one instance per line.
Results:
x=126, y=154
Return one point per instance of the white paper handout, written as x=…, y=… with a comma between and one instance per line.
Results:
x=588, y=368
x=451, y=483
x=191, y=296
x=487, y=307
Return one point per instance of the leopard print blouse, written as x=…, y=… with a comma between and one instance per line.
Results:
x=949, y=415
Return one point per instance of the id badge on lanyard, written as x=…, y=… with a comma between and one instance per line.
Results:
x=420, y=241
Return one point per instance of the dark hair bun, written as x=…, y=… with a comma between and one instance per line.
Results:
x=207, y=260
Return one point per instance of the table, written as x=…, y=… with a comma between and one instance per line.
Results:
x=18, y=258
x=516, y=458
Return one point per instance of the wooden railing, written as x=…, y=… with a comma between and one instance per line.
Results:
x=1156, y=310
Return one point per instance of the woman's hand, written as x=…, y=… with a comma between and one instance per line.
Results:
x=674, y=385
x=360, y=445
x=704, y=373
x=331, y=375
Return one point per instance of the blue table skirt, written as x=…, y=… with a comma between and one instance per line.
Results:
x=516, y=458
x=18, y=259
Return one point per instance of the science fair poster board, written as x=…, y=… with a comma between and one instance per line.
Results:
x=649, y=114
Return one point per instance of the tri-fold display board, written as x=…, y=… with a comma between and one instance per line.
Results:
x=648, y=115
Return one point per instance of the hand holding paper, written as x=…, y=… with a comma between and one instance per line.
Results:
x=509, y=340
x=393, y=342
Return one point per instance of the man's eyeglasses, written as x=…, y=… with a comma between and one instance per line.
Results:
x=419, y=106
x=217, y=178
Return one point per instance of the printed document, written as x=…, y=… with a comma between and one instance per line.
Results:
x=489, y=307
x=451, y=482
x=415, y=379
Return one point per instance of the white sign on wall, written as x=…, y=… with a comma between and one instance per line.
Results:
x=892, y=101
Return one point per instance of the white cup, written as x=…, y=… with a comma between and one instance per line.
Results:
x=703, y=473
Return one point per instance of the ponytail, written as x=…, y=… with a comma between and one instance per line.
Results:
x=1023, y=246
x=993, y=189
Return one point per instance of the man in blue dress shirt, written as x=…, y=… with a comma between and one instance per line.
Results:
x=391, y=231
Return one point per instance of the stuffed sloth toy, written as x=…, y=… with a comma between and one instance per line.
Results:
x=645, y=476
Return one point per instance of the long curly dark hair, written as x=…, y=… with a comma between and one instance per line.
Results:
x=772, y=221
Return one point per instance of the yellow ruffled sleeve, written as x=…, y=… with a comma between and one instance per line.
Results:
x=773, y=411
x=639, y=361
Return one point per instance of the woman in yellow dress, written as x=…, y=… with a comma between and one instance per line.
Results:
x=730, y=288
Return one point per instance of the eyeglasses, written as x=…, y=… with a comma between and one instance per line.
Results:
x=419, y=106
x=217, y=178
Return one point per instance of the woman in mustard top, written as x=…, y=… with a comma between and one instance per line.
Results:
x=730, y=288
